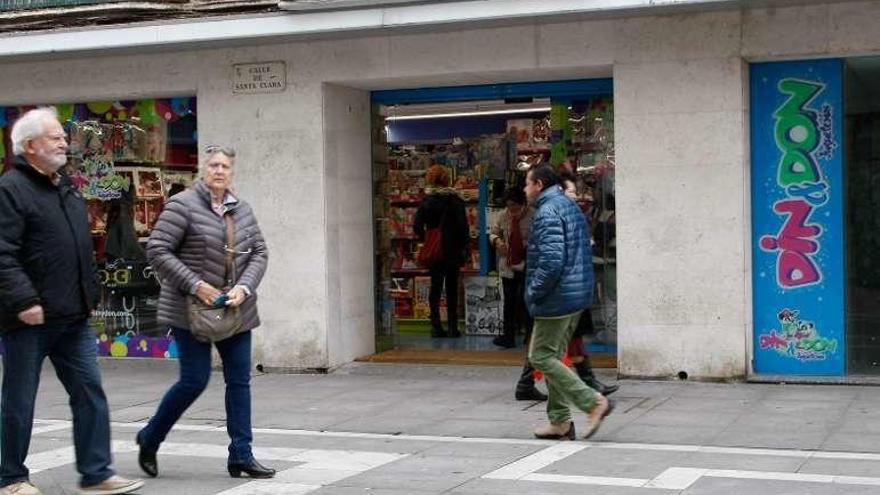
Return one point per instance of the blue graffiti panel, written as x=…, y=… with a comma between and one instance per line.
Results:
x=797, y=217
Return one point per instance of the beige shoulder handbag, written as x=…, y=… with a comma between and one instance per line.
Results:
x=209, y=323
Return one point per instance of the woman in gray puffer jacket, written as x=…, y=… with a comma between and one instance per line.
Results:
x=187, y=249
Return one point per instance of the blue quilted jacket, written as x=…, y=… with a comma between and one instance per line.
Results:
x=559, y=268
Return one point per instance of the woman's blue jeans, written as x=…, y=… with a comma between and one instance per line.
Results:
x=195, y=370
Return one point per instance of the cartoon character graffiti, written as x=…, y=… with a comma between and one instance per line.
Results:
x=798, y=339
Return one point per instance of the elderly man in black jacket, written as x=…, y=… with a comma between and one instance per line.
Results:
x=47, y=290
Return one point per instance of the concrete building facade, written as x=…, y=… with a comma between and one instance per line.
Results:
x=682, y=149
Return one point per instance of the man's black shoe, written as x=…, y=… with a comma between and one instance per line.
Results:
x=530, y=394
x=601, y=387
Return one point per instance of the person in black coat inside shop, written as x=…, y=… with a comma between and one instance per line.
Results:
x=48, y=287
x=444, y=208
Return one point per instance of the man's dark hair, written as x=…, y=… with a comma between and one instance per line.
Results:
x=515, y=194
x=546, y=174
x=567, y=176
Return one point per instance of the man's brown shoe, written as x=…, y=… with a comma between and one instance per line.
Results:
x=556, y=431
x=20, y=488
x=602, y=408
x=112, y=486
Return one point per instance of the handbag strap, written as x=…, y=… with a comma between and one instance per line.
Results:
x=230, y=250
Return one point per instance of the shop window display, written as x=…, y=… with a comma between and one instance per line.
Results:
x=125, y=157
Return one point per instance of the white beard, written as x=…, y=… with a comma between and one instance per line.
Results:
x=52, y=161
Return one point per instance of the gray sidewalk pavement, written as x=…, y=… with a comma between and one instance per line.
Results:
x=420, y=429
x=477, y=401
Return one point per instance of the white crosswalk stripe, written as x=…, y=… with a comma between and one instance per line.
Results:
x=305, y=470
x=315, y=467
x=673, y=478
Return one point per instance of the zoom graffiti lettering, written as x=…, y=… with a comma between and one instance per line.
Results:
x=798, y=339
x=801, y=133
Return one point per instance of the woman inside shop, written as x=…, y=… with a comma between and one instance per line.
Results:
x=509, y=236
x=443, y=209
x=188, y=249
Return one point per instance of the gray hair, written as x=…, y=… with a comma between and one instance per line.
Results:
x=213, y=149
x=30, y=126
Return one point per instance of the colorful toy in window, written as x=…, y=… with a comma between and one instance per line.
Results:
x=401, y=221
x=97, y=217
x=472, y=218
x=149, y=184
x=421, y=290
x=467, y=186
x=146, y=212
x=493, y=155
x=520, y=132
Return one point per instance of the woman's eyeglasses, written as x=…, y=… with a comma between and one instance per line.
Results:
x=216, y=148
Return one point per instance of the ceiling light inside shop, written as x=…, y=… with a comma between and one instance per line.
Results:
x=464, y=109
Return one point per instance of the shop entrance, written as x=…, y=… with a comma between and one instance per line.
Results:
x=484, y=138
x=862, y=159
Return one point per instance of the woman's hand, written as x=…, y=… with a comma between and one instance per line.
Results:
x=207, y=293
x=236, y=296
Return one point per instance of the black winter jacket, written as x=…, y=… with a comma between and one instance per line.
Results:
x=455, y=231
x=46, y=253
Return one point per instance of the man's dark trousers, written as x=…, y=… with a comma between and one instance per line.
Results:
x=72, y=350
x=516, y=315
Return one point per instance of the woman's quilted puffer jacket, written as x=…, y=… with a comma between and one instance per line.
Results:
x=187, y=245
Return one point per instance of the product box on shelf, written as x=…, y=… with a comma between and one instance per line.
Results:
x=421, y=291
x=474, y=262
x=529, y=133
x=401, y=221
x=401, y=293
x=473, y=219
x=406, y=185
x=146, y=212
x=492, y=155
x=403, y=307
x=97, y=217
x=403, y=256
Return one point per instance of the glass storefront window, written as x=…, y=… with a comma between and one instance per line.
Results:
x=126, y=158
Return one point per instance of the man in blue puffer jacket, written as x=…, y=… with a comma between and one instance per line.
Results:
x=559, y=283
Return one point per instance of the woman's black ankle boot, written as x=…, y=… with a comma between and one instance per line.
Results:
x=147, y=460
x=252, y=468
